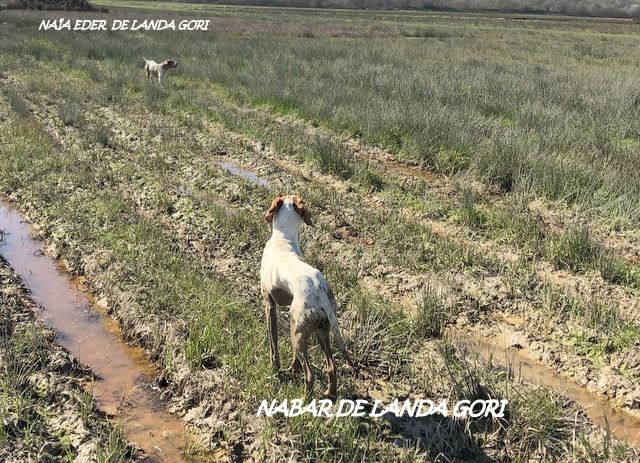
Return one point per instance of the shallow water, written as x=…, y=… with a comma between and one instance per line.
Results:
x=124, y=375
x=623, y=426
x=233, y=169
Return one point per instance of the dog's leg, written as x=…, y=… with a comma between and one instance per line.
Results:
x=323, y=339
x=300, y=343
x=272, y=330
x=295, y=366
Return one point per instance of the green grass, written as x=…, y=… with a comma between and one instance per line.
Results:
x=547, y=425
x=468, y=211
x=577, y=250
x=431, y=313
x=71, y=115
x=566, y=112
x=115, y=449
x=574, y=249
x=112, y=194
x=602, y=326
x=221, y=330
x=17, y=104
x=322, y=153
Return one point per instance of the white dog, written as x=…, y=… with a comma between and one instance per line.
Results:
x=158, y=70
x=286, y=279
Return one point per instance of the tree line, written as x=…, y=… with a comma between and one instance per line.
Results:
x=607, y=8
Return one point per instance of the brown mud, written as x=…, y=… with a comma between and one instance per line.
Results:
x=123, y=384
x=621, y=425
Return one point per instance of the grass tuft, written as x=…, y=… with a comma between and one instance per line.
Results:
x=431, y=314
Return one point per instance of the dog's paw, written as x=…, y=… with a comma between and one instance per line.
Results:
x=295, y=367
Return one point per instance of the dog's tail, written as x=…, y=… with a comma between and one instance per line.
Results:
x=145, y=59
x=331, y=310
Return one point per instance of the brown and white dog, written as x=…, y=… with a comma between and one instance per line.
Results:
x=158, y=70
x=287, y=280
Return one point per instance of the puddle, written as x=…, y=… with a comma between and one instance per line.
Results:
x=233, y=169
x=124, y=374
x=623, y=426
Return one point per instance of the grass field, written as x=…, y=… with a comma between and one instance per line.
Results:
x=470, y=175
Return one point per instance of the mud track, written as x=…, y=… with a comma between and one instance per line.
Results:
x=47, y=413
x=124, y=377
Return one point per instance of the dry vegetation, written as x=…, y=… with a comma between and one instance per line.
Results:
x=468, y=174
x=606, y=8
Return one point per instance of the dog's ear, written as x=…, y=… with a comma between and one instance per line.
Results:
x=302, y=209
x=276, y=204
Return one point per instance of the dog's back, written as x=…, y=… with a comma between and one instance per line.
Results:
x=149, y=65
x=158, y=70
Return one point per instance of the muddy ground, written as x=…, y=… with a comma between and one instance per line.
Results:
x=191, y=392
x=47, y=412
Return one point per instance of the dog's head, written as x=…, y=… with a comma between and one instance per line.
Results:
x=290, y=205
x=168, y=64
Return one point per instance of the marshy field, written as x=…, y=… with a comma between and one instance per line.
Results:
x=475, y=184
